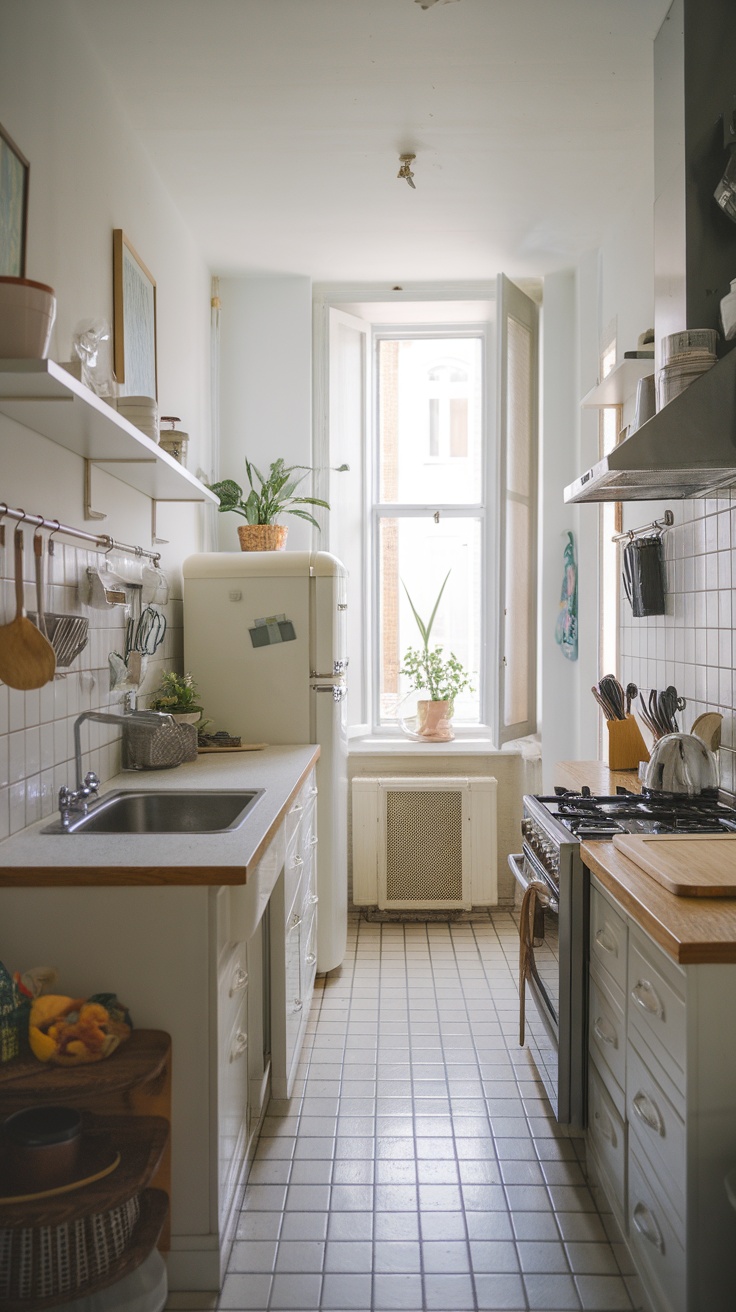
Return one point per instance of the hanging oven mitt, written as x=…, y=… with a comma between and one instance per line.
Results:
x=643, y=576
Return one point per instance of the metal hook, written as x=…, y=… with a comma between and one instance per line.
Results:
x=51, y=544
x=3, y=513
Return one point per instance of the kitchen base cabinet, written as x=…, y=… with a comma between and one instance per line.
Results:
x=670, y=1038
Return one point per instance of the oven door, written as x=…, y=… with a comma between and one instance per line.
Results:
x=555, y=987
x=539, y=942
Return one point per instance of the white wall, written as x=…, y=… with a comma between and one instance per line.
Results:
x=265, y=386
x=89, y=175
x=560, y=678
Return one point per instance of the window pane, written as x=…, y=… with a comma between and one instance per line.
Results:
x=430, y=409
x=418, y=553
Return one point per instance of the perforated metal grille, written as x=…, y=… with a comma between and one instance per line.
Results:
x=424, y=846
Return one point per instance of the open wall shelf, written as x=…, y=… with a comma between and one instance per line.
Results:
x=45, y=398
x=618, y=385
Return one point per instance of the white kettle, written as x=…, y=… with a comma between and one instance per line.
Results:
x=681, y=763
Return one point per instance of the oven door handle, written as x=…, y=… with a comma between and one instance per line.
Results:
x=516, y=866
x=535, y=892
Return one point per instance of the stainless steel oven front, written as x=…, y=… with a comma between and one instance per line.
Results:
x=554, y=958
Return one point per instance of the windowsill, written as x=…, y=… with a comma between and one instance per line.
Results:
x=399, y=744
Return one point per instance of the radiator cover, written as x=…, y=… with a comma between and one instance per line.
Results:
x=425, y=842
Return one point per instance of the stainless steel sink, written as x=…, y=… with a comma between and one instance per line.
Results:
x=164, y=812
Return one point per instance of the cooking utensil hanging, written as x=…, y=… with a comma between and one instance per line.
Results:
x=146, y=633
x=27, y=659
x=68, y=634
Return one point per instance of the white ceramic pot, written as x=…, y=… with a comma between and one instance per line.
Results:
x=27, y=313
x=186, y=717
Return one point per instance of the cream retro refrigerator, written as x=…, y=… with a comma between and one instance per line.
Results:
x=264, y=638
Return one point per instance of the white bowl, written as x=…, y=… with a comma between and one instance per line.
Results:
x=27, y=313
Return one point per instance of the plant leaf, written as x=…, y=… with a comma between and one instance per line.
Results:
x=417, y=617
x=303, y=514
x=436, y=604
x=310, y=501
x=252, y=507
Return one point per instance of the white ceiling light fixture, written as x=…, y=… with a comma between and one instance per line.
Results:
x=405, y=172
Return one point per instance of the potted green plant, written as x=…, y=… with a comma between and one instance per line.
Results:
x=272, y=496
x=442, y=676
x=177, y=694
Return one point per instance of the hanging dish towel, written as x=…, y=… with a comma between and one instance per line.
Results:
x=643, y=573
x=566, y=629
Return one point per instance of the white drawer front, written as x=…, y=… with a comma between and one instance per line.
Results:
x=301, y=809
x=656, y=1010
x=607, y=1034
x=656, y=1123
x=232, y=986
x=655, y=1243
x=608, y=1133
x=232, y=1104
x=608, y=937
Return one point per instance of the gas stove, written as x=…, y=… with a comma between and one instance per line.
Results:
x=590, y=817
x=552, y=876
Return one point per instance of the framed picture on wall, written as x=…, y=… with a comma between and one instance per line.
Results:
x=14, y=171
x=134, y=320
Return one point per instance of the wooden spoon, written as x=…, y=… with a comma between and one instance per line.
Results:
x=27, y=659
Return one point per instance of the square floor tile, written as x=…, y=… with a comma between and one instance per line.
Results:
x=592, y=1259
x=454, y=1292
x=345, y=1292
x=397, y=1291
x=551, y=1293
x=396, y=1226
x=245, y=1292
x=350, y=1226
x=304, y=1225
x=499, y=1291
x=300, y=1255
x=494, y=1255
x=353, y=1258
x=253, y=1255
x=449, y=1258
x=300, y=1292
x=442, y=1225
x=603, y=1293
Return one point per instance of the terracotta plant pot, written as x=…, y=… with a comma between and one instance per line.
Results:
x=27, y=313
x=262, y=537
x=434, y=721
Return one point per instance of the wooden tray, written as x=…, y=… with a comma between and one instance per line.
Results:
x=248, y=747
x=97, y=1159
x=688, y=865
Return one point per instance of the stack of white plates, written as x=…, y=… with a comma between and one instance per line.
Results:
x=685, y=356
x=141, y=411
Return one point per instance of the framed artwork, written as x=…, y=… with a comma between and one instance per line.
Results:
x=14, y=171
x=134, y=320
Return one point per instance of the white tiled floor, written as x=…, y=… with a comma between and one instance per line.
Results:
x=419, y=1165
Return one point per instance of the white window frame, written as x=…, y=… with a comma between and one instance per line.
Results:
x=395, y=510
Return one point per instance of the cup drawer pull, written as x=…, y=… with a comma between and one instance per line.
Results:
x=604, y=1031
x=310, y=958
x=313, y=840
x=647, y=1226
x=648, y=1112
x=298, y=1004
x=605, y=1125
x=240, y=1043
x=298, y=806
x=297, y=861
x=605, y=940
x=313, y=899
x=239, y=980
x=646, y=997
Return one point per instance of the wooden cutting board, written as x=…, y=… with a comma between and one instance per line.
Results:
x=689, y=865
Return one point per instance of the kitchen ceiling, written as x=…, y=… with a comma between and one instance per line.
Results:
x=277, y=126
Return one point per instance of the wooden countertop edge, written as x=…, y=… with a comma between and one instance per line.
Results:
x=658, y=911
x=150, y=876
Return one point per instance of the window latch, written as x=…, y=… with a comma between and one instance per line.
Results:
x=436, y=516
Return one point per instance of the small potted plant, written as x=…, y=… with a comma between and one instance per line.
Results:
x=177, y=694
x=273, y=496
x=442, y=676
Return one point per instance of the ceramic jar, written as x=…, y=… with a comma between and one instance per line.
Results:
x=27, y=313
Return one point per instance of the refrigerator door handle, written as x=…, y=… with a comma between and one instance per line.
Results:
x=338, y=690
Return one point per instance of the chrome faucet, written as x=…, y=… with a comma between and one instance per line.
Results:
x=76, y=800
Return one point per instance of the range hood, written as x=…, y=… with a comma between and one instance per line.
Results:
x=687, y=449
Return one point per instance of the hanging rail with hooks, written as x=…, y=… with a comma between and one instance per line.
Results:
x=656, y=526
x=101, y=540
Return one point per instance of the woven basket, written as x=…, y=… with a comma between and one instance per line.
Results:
x=43, y=1262
x=262, y=537
x=161, y=749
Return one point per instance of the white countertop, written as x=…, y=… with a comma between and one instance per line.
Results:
x=32, y=858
